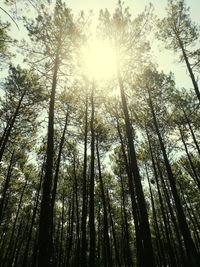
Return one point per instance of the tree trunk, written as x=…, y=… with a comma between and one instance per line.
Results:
x=10, y=261
x=159, y=243
x=118, y=262
x=192, y=219
x=126, y=226
x=14, y=226
x=24, y=264
x=162, y=207
x=6, y=186
x=45, y=231
x=171, y=211
x=91, y=189
x=195, y=177
x=194, y=82
x=84, y=192
x=192, y=132
x=10, y=127
x=56, y=176
x=148, y=256
x=133, y=201
x=70, y=230
x=5, y=131
x=60, y=255
x=105, y=215
x=189, y=244
x=77, y=250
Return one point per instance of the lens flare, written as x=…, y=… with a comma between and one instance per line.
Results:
x=100, y=61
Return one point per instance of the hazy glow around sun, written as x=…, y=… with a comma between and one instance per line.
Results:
x=100, y=60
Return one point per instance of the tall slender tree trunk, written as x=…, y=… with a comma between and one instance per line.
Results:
x=189, y=244
x=84, y=191
x=10, y=127
x=194, y=215
x=70, y=230
x=44, y=238
x=195, y=177
x=167, y=199
x=190, y=215
x=194, y=82
x=56, y=176
x=159, y=243
x=77, y=247
x=192, y=131
x=19, y=247
x=6, y=186
x=10, y=261
x=55, y=180
x=133, y=201
x=162, y=207
x=100, y=254
x=24, y=263
x=5, y=131
x=126, y=226
x=117, y=257
x=60, y=255
x=108, y=257
x=35, y=251
x=148, y=256
x=8, y=250
x=91, y=189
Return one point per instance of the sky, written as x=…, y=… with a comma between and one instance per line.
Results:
x=167, y=60
x=136, y=6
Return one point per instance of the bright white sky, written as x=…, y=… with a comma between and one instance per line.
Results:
x=165, y=59
x=135, y=6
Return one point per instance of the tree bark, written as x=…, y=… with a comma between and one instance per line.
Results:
x=194, y=82
x=148, y=256
x=192, y=132
x=189, y=244
x=24, y=263
x=10, y=127
x=126, y=226
x=84, y=192
x=106, y=246
x=195, y=177
x=14, y=226
x=160, y=248
x=6, y=186
x=44, y=238
x=91, y=189
x=139, y=244
x=117, y=258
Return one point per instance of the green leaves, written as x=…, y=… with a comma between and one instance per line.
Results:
x=5, y=40
x=178, y=27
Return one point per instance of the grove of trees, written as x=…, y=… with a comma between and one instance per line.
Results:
x=98, y=171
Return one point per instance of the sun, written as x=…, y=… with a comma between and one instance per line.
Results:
x=100, y=60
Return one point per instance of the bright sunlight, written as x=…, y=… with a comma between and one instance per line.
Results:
x=100, y=60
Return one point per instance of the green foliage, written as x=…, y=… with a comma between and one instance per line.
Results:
x=5, y=41
x=177, y=30
x=54, y=55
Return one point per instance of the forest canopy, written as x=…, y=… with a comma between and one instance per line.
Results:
x=99, y=144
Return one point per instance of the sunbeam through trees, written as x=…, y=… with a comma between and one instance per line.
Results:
x=99, y=139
